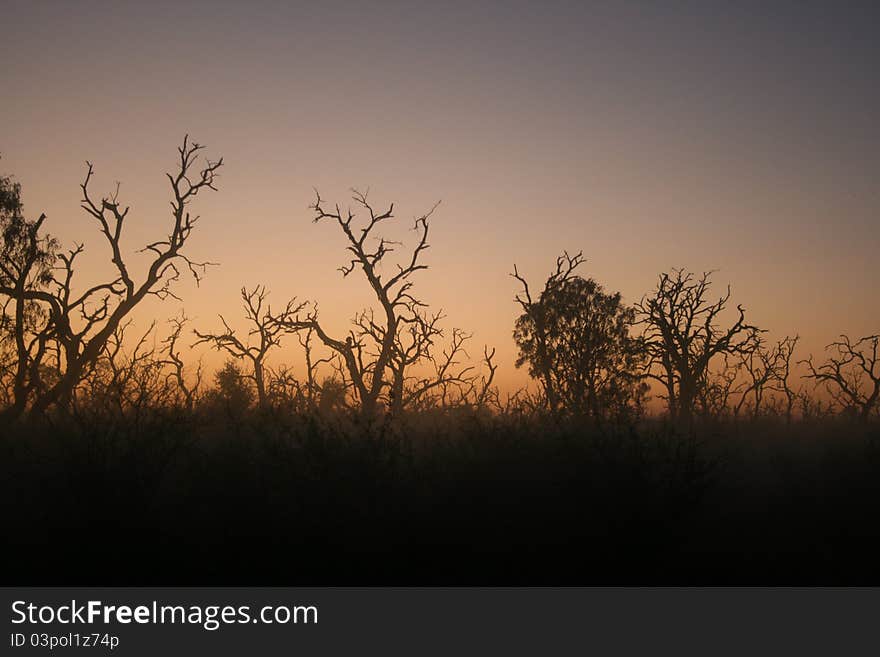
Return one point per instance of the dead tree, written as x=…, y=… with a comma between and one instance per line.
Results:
x=413, y=343
x=768, y=370
x=781, y=380
x=851, y=374
x=444, y=373
x=265, y=330
x=368, y=351
x=80, y=324
x=761, y=365
x=126, y=384
x=682, y=336
x=130, y=377
x=487, y=394
x=714, y=395
x=174, y=360
x=312, y=388
x=811, y=408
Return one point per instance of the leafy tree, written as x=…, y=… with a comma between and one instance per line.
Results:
x=26, y=260
x=576, y=340
x=231, y=389
x=332, y=395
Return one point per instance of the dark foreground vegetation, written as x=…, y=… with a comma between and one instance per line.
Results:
x=390, y=456
x=462, y=498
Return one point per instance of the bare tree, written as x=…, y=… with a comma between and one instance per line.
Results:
x=126, y=385
x=713, y=396
x=313, y=389
x=782, y=377
x=423, y=369
x=267, y=329
x=683, y=336
x=80, y=325
x=369, y=350
x=762, y=367
x=487, y=395
x=174, y=360
x=811, y=407
x=851, y=374
x=131, y=376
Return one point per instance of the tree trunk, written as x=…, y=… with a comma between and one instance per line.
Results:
x=259, y=379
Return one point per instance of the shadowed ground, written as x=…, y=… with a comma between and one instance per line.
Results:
x=439, y=499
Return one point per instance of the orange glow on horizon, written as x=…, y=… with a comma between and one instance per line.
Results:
x=619, y=132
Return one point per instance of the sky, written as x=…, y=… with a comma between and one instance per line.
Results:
x=737, y=137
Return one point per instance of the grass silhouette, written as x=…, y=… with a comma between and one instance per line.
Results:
x=465, y=497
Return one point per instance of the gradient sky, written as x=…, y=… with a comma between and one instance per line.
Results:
x=741, y=137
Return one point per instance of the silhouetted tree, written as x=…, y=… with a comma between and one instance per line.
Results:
x=332, y=395
x=266, y=327
x=576, y=340
x=487, y=394
x=767, y=369
x=231, y=390
x=313, y=388
x=682, y=336
x=538, y=348
x=126, y=386
x=781, y=382
x=130, y=372
x=761, y=365
x=851, y=374
x=381, y=347
x=443, y=377
x=189, y=390
x=77, y=327
x=714, y=396
x=26, y=260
